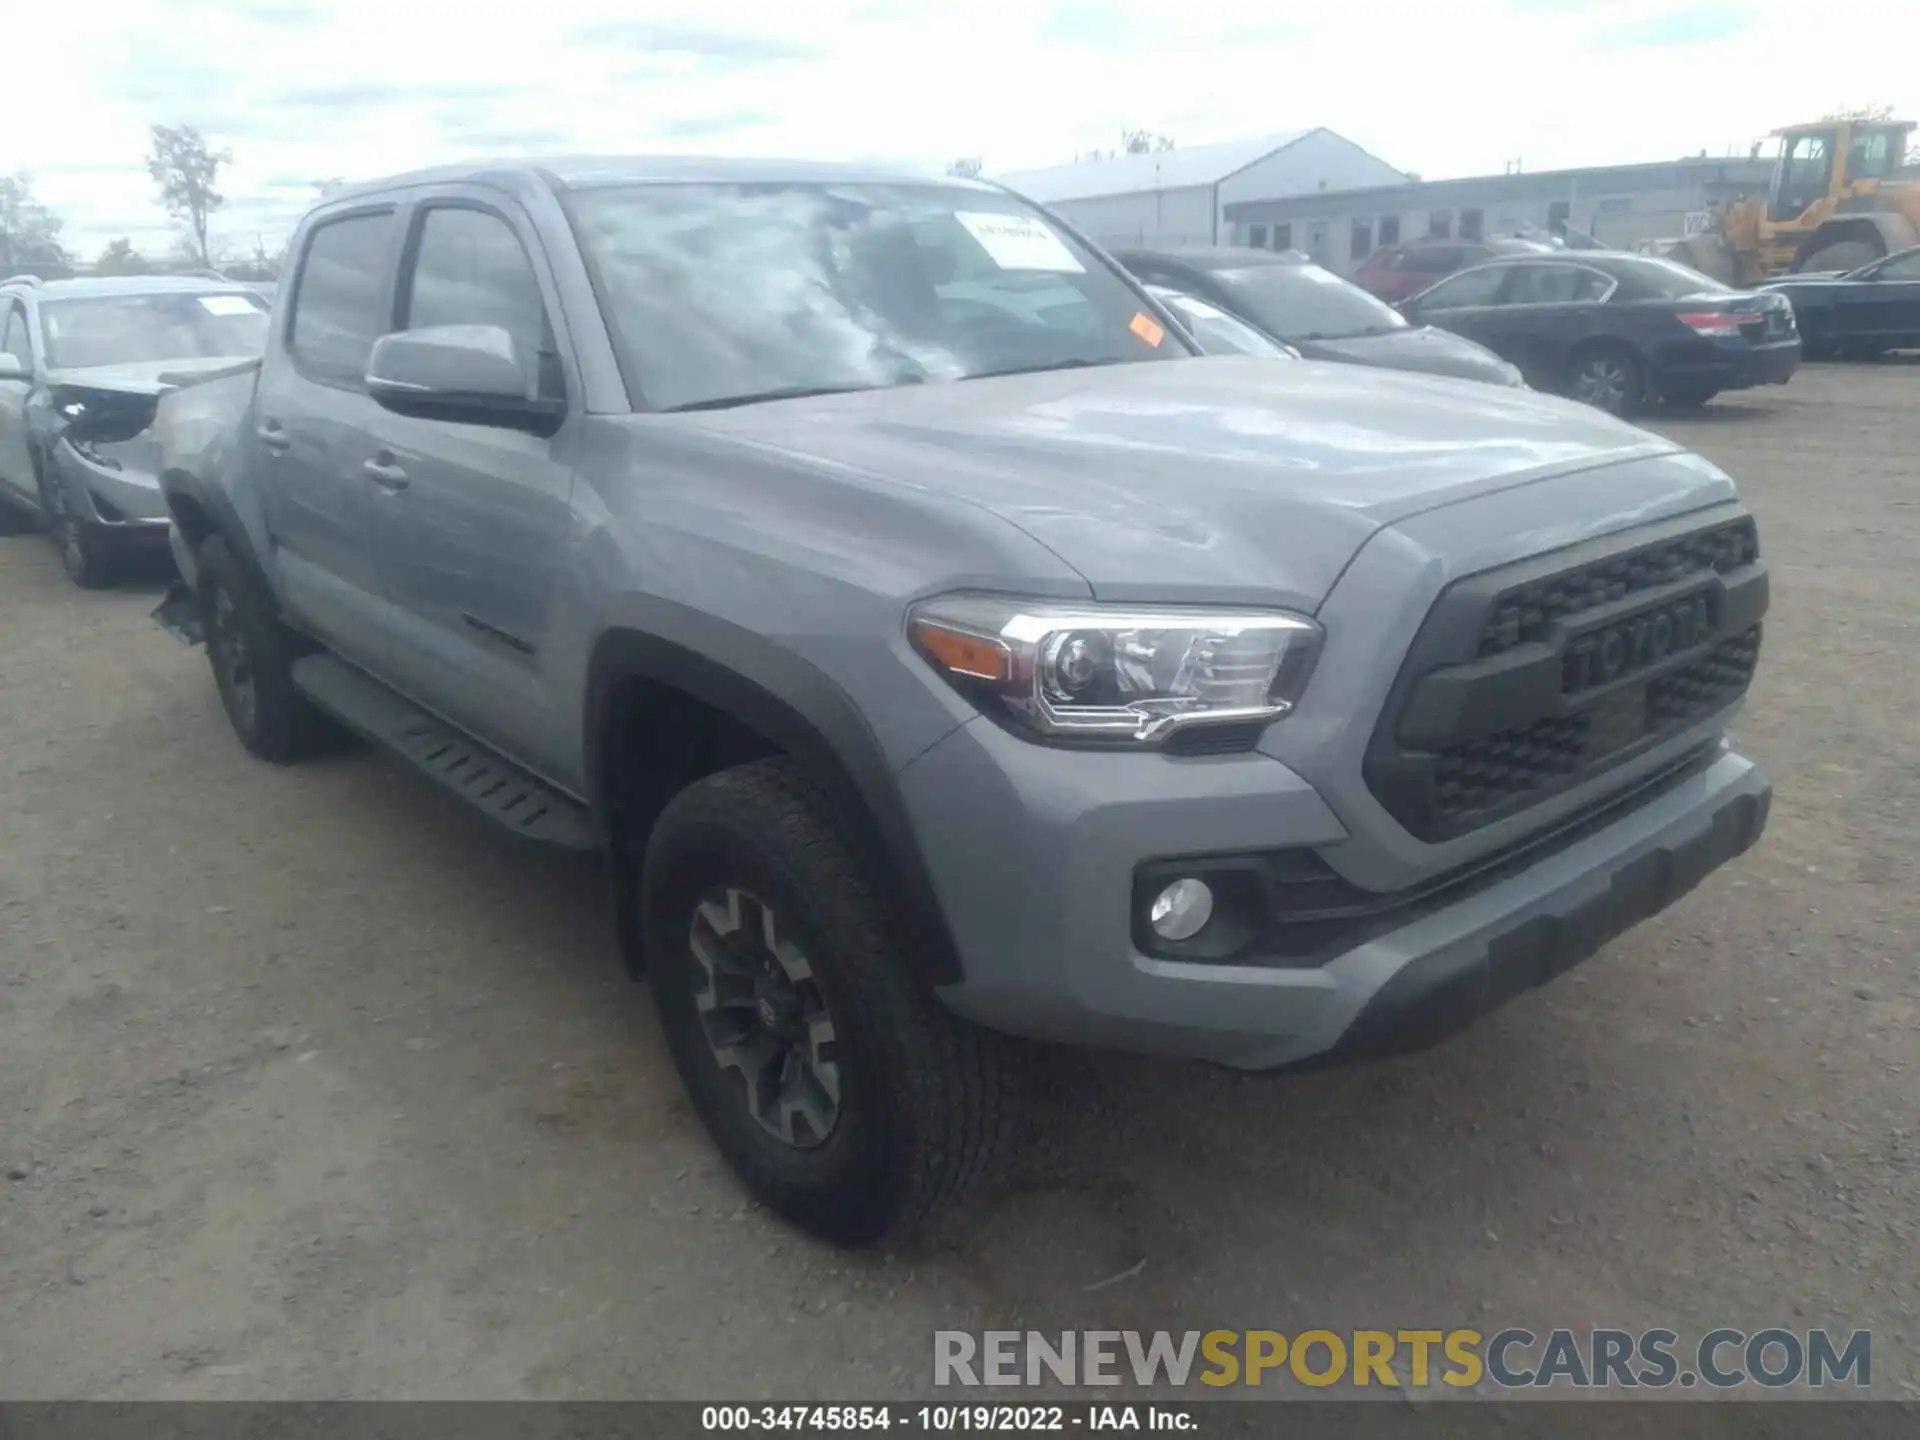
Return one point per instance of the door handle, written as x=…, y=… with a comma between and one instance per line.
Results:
x=273, y=437
x=385, y=472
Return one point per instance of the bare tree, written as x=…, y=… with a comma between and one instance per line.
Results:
x=329, y=185
x=1141, y=142
x=29, y=232
x=187, y=173
x=120, y=258
x=967, y=168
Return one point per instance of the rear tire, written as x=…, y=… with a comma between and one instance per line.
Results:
x=1606, y=377
x=1841, y=255
x=252, y=655
x=80, y=554
x=838, y=1087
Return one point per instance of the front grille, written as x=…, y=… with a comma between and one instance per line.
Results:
x=1484, y=775
x=1529, y=612
x=1532, y=679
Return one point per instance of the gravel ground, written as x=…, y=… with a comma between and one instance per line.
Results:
x=310, y=1087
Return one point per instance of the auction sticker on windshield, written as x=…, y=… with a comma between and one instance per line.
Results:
x=1019, y=242
x=228, y=305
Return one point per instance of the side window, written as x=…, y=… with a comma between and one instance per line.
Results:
x=470, y=269
x=1906, y=267
x=15, y=340
x=1547, y=285
x=337, y=306
x=1468, y=289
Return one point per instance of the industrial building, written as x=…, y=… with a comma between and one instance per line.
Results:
x=1181, y=196
x=1619, y=205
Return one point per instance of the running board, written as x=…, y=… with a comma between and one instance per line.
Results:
x=497, y=788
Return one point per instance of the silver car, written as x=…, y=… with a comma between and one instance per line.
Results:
x=82, y=365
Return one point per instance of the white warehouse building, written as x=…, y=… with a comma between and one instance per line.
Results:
x=1180, y=196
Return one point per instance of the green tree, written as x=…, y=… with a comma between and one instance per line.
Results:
x=120, y=258
x=29, y=232
x=187, y=174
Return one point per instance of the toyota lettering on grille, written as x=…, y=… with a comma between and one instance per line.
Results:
x=1635, y=643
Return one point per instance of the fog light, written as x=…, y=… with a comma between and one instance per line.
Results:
x=1181, y=911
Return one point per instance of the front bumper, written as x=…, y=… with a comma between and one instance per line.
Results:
x=1033, y=853
x=113, y=504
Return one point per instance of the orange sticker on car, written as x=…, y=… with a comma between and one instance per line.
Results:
x=1148, y=329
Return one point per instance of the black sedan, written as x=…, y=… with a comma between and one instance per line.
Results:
x=1861, y=314
x=1293, y=301
x=1618, y=330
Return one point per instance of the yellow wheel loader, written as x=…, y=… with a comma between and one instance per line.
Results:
x=1841, y=196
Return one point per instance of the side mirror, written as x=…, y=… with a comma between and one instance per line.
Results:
x=11, y=368
x=464, y=373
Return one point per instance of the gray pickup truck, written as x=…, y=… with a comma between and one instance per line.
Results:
x=942, y=651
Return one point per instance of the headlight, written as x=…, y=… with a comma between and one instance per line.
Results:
x=1512, y=376
x=1130, y=675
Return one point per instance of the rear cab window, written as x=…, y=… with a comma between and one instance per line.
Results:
x=339, y=303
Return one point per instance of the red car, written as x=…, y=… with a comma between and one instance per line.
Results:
x=1399, y=272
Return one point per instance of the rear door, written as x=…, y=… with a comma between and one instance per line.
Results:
x=1544, y=311
x=16, y=460
x=473, y=524
x=312, y=420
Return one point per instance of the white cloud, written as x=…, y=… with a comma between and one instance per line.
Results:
x=303, y=89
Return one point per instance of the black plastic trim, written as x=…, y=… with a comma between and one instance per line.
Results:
x=1307, y=915
x=797, y=708
x=1441, y=994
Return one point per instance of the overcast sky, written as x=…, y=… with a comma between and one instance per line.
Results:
x=301, y=89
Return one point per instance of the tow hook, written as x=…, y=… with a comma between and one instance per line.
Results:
x=178, y=613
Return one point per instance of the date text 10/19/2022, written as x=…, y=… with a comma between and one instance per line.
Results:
x=944, y=1419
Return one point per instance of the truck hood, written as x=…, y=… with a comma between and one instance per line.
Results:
x=1200, y=479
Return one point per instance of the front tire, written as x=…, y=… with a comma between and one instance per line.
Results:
x=252, y=655
x=833, y=1080
x=1606, y=377
x=80, y=554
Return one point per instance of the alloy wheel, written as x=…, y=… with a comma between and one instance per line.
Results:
x=764, y=1017
x=1603, y=382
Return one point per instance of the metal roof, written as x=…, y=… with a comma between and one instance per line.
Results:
x=1177, y=169
x=575, y=172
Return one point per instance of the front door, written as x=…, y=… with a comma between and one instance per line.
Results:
x=16, y=460
x=1886, y=309
x=473, y=524
x=311, y=415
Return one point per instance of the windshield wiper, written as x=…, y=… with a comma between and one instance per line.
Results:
x=781, y=392
x=1075, y=364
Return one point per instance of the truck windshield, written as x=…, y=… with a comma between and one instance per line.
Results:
x=137, y=329
x=722, y=294
x=1304, y=302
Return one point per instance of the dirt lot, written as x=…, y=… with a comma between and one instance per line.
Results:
x=310, y=1087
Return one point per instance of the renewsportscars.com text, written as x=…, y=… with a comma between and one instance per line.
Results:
x=1773, y=1357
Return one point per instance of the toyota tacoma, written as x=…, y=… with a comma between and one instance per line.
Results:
x=942, y=651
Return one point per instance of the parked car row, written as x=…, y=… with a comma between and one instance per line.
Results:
x=940, y=645
x=83, y=363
